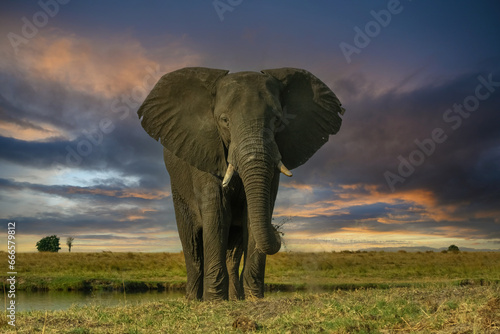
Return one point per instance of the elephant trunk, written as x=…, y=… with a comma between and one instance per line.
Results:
x=256, y=168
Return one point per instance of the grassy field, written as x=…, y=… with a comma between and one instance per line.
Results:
x=372, y=292
x=136, y=271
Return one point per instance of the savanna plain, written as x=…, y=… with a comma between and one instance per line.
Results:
x=337, y=292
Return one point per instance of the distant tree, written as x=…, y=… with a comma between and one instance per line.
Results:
x=453, y=248
x=69, y=242
x=48, y=244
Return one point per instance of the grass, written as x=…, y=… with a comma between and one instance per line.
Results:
x=409, y=293
x=382, y=268
x=459, y=309
x=86, y=271
x=140, y=271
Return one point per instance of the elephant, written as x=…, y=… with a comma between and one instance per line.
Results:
x=226, y=138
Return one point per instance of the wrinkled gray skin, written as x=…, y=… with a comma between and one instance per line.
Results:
x=206, y=120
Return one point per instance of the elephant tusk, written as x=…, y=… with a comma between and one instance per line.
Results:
x=228, y=176
x=284, y=170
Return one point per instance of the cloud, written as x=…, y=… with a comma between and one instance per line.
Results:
x=99, y=193
x=294, y=185
x=102, y=67
x=61, y=87
x=365, y=209
x=377, y=129
x=57, y=91
x=61, y=84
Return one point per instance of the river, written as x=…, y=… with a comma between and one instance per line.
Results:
x=61, y=300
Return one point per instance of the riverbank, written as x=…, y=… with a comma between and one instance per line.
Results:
x=285, y=271
x=431, y=309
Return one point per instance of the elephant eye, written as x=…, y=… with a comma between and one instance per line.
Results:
x=225, y=120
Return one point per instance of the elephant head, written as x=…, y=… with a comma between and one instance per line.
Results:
x=254, y=123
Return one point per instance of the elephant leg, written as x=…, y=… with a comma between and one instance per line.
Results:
x=189, y=222
x=233, y=260
x=192, y=245
x=253, y=271
x=215, y=234
x=194, y=266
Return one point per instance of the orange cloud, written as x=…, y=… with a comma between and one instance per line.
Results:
x=142, y=214
x=294, y=185
x=40, y=132
x=422, y=202
x=151, y=195
x=100, y=67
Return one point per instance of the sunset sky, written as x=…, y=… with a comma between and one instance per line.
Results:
x=416, y=162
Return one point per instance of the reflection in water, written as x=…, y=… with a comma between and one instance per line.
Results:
x=60, y=300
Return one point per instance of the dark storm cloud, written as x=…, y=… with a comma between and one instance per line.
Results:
x=21, y=122
x=125, y=154
x=98, y=209
x=104, y=195
x=123, y=148
x=79, y=115
x=76, y=224
x=36, y=154
x=378, y=129
x=43, y=100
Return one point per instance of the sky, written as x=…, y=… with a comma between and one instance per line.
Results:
x=416, y=162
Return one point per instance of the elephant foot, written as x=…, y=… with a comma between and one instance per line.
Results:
x=216, y=285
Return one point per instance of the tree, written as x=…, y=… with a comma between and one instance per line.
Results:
x=453, y=248
x=48, y=244
x=69, y=242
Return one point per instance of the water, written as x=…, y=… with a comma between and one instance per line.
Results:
x=62, y=300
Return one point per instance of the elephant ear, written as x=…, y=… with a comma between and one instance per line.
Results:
x=311, y=114
x=179, y=112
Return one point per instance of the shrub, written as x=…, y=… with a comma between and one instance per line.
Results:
x=48, y=244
